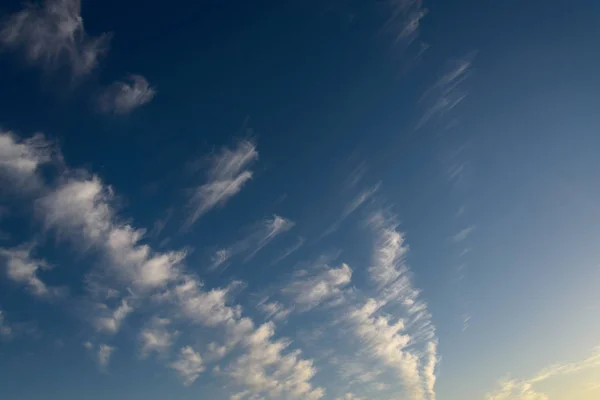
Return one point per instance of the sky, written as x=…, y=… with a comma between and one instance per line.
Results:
x=332, y=199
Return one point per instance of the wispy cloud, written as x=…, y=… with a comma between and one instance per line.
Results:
x=21, y=159
x=109, y=321
x=156, y=338
x=122, y=97
x=273, y=309
x=405, y=19
x=260, y=236
x=189, y=365
x=308, y=291
x=104, y=354
x=463, y=234
x=447, y=92
x=395, y=343
x=288, y=251
x=6, y=331
x=352, y=206
x=227, y=175
x=53, y=35
x=81, y=209
x=514, y=389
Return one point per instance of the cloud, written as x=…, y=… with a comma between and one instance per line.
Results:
x=514, y=389
x=156, y=338
x=227, y=175
x=189, y=365
x=405, y=20
x=446, y=93
x=349, y=396
x=104, y=354
x=6, y=330
x=396, y=343
x=122, y=97
x=260, y=236
x=358, y=201
x=265, y=370
x=53, y=35
x=273, y=310
x=263, y=367
x=81, y=209
x=22, y=268
x=309, y=291
x=20, y=160
x=110, y=321
x=288, y=251
x=462, y=235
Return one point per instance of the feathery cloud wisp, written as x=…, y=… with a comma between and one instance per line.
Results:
x=22, y=268
x=21, y=159
x=261, y=235
x=189, y=365
x=515, y=389
x=122, y=97
x=53, y=34
x=309, y=291
x=227, y=175
x=463, y=234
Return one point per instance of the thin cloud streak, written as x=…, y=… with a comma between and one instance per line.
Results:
x=227, y=175
x=53, y=35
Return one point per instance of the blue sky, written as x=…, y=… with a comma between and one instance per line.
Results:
x=299, y=200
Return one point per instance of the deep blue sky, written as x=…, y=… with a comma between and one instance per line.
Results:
x=471, y=144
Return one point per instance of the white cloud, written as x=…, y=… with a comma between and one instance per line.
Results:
x=22, y=268
x=81, y=209
x=388, y=342
x=6, y=330
x=156, y=338
x=110, y=321
x=273, y=310
x=405, y=20
x=256, y=240
x=227, y=174
x=189, y=365
x=351, y=207
x=462, y=235
x=21, y=159
x=122, y=97
x=408, y=345
x=265, y=370
x=515, y=389
x=349, y=396
x=309, y=291
x=446, y=93
x=53, y=35
x=288, y=251
x=104, y=354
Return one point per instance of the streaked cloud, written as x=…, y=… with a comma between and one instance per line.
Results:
x=52, y=35
x=6, y=330
x=308, y=291
x=189, y=365
x=23, y=268
x=104, y=354
x=122, y=97
x=405, y=20
x=273, y=310
x=352, y=206
x=20, y=159
x=81, y=209
x=447, y=92
x=463, y=234
x=289, y=251
x=261, y=234
x=156, y=338
x=227, y=175
x=515, y=389
x=396, y=343
x=109, y=321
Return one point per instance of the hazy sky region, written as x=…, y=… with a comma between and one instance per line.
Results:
x=300, y=199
